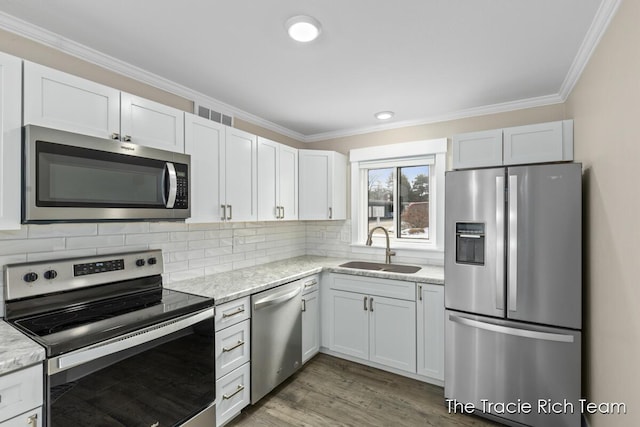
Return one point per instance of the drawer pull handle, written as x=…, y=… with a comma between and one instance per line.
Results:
x=33, y=420
x=310, y=283
x=229, y=396
x=238, y=311
x=233, y=347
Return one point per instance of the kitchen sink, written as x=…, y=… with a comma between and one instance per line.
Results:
x=379, y=266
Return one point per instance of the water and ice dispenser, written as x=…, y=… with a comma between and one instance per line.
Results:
x=470, y=243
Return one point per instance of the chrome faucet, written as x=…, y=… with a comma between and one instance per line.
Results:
x=388, y=252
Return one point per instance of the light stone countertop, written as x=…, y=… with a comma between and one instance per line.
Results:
x=16, y=350
x=236, y=284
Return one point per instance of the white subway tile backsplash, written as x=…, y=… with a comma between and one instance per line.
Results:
x=14, y=234
x=135, y=239
x=222, y=250
x=95, y=241
x=204, y=244
x=8, y=247
x=123, y=227
x=185, y=255
x=155, y=227
x=204, y=227
x=62, y=230
x=42, y=256
x=187, y=235
x=120, y=249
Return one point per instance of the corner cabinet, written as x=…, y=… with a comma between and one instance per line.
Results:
x=373, y=319
x=10, y=141
x=223, y=171
x=63, y=101
x=322, y=185
x=537, y=143
x=277, y=181
x=430, y=331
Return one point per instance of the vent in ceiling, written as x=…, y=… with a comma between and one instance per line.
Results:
x=216, y=116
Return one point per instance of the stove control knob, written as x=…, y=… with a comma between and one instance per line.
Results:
x=152, y=261
x=140, y=262
x=30, y=277
x=50, y=274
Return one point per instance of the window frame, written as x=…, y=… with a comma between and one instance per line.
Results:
x=412, y=153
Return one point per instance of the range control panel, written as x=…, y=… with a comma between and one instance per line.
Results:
x=43, y=277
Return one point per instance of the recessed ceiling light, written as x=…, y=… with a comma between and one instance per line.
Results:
x=303, y=28
x=384, y=115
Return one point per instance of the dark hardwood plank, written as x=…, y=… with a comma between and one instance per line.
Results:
x=329, y=391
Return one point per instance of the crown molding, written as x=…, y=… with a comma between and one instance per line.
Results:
x=599, y=25
x=40, y=35
x=25, y=29
x=461, y=114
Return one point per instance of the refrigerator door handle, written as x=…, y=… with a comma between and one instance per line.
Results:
x=525, y=333
x=500, y=242
x=513, y=243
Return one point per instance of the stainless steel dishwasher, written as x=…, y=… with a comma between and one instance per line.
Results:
x=276, y=337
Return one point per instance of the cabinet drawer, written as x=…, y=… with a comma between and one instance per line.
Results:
x=310, y=284
x=232, y=312
x=233, y=392
x=374, y=286
x=232, y=347
x=20, y=391
x=31, y=418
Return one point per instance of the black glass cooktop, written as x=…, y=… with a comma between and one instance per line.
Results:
x=64, y=330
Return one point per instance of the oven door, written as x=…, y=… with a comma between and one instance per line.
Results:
x=160, y=376
x=71, y=177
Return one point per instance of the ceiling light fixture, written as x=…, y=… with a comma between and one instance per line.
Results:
x=303, y=28
x=384, y=115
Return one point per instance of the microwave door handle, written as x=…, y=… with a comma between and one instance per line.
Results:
x=170, y=197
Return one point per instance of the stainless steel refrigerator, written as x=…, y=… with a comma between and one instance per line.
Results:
x=513, y=293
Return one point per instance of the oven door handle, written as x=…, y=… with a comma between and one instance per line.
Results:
x=126, y=341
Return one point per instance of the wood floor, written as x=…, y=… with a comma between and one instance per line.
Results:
x=333, y=392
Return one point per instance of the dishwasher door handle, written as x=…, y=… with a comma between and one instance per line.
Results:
x=275, y=299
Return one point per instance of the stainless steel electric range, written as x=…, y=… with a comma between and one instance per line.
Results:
x=121, y=350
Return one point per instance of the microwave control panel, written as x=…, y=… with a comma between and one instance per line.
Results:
x=182, y=194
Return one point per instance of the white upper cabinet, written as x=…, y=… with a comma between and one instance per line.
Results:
x=277, y=181
x=63, y=101
x=538, y=143
x=241, y=203
x=152, y=124
x=322, y=185
x=10, y=141
x=204, y=141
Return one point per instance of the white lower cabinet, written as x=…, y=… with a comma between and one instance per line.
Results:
x=31, y=418
x=373, y=327
x=21, y=397
x=310, y=318
x=430, y=311
x=233, y=354
x=232, y=393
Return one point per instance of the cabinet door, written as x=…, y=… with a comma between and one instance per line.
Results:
x=204, y=141
x=63, y=101
x=241, y=178
x=31, y=418
x=430, y=311
x=288, y=180
x=314, y=184
x=10, y=142
x=349, y=323
x=338, y=186
x=149, y=123
x=477, y=149
x=310, y=325
x=267, y=180
x=392, y=332
x=543, y=142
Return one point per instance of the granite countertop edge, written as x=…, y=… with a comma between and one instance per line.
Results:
x=232, y=285
x=17, y=351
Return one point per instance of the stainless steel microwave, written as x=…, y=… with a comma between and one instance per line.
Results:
x=68, y=177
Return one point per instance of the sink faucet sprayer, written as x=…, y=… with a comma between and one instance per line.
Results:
x=388, y=252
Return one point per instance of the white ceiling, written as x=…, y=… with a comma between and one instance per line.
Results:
x=423, y=59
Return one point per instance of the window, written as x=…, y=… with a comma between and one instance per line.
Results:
x=398, y=199
x=397, y=188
